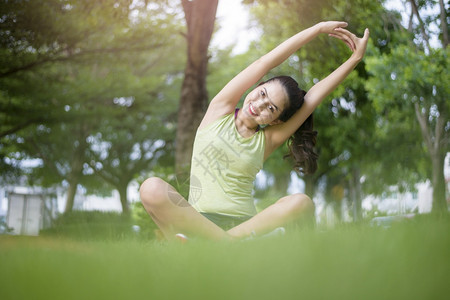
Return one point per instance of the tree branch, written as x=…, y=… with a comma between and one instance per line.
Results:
x=410, y=22
x=18, y=127
x=440, y=124
x=104, y=175
x=444, y=27
x=50, y=163
x=424, y=127
x=415, y=9
x=74, y=56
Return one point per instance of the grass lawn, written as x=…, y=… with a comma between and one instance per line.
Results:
x=407, y=261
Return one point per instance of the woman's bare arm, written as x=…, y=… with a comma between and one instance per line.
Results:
x=226, y=100
x=278, y=134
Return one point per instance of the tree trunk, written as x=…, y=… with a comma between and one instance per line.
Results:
x=444, y=27
x=281, y=183
x=338, y=210
x=70, y=198
x=438, y=180
x=423, y=30
x=124, y=200
x=200, y=16
x=435, y=144
x=74, y=177
x=355, y=194
x=310, y=185
x=335, y=196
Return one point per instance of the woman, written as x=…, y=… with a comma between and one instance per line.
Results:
x=230, y=147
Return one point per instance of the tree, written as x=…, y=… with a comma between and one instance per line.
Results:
x=39, y=34
x=137, y=135
x=62, y=150
x=200, y=16
x=65, y=79
x=413, y=86
x=119, y=153
x=411, y=83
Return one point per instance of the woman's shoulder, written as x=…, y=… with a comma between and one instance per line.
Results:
x=214, y=113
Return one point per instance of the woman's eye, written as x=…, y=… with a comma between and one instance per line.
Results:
x=271, y=107
x=262, y=93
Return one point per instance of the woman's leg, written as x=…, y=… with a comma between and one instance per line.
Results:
x=173, y=214
x=284, y=212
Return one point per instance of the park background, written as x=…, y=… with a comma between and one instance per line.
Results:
x=96, y=96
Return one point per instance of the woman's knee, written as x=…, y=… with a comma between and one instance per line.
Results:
x=153, y=192
x=301, y=204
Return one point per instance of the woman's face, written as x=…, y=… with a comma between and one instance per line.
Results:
x=265, y=103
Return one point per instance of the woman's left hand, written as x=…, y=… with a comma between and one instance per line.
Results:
x=356, y=44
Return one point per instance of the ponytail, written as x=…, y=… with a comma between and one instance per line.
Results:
x=301, y=148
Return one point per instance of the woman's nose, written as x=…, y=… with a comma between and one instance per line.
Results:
x=261, y=104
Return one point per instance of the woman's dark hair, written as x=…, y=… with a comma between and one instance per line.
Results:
x=301, y=143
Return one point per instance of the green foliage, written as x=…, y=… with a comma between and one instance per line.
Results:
x=91, y=89
x=401, y=80
x=407, y=76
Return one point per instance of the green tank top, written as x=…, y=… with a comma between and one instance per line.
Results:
x=223, y=169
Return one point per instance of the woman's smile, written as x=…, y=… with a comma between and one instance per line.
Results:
x=252, y=111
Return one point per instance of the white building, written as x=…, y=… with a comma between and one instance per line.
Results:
x=28, y=210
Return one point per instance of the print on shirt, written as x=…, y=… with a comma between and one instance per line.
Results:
x=213, y=159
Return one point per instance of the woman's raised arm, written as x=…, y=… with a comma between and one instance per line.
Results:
x=226, y=100
x=278, y=134
x=324, y=87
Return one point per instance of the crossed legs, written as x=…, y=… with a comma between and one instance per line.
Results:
x=285, y=211
x=173, y=214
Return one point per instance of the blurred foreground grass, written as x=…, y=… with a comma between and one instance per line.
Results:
x=407, y=261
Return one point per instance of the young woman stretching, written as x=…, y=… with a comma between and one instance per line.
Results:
x=230, y=148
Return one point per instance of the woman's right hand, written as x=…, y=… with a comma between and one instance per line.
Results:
x=328, y=27
x=356, y=44
x=331, y=28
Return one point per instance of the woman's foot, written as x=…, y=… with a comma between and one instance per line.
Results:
x=181, y=237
